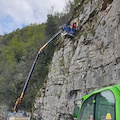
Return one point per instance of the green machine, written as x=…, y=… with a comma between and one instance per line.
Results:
x=103, y=104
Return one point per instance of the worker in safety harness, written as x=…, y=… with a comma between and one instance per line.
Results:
x=73, y=28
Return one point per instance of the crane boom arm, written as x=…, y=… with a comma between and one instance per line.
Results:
x=32, y=68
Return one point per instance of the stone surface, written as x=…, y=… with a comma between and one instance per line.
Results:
x=87, y=63
x=3, y=111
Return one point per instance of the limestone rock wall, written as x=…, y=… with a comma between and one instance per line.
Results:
x=3, y=111
x=86, y=63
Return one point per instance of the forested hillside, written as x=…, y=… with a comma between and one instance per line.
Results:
x=18, y=50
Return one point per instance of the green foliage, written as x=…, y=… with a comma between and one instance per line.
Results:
x=18, y=50
x=51, y=26
x=93, y=31
x=13, y=52
x=85, y=33
x=103, y=23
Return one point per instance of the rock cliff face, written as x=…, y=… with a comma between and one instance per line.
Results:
x=84, y=64
x=3, y=111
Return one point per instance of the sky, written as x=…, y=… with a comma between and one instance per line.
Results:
x=20, y=13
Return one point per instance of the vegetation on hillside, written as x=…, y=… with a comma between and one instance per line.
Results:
x=18, y=50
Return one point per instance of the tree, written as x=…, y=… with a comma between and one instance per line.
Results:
x=51, y=26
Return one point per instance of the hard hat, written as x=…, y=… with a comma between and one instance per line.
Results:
x=75, y=21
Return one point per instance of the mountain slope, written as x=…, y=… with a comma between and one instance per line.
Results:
x=84, y=64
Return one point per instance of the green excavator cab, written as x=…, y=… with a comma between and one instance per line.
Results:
x=103, y=104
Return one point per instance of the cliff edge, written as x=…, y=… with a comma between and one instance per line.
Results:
x=86, y=63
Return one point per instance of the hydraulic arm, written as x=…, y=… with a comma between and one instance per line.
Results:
x=32, y=68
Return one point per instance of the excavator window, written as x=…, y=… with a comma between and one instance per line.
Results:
x=100, y=106
x=105, y=106
x=87, y=109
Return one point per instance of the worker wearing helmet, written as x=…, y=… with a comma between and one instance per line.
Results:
x=72, y=29
x=74, y=25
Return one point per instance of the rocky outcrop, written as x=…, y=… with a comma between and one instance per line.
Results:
x=84, y=64
x=3, y=111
